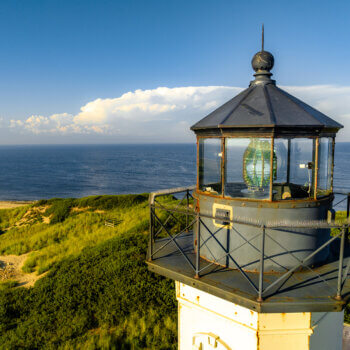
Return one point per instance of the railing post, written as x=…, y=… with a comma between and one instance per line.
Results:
x=261, y=272
x=347, y=217
x=151, y=232
x=340, y=268
x=188, y=208
x=198, y=246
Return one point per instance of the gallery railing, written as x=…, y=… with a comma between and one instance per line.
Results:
x=185, y=214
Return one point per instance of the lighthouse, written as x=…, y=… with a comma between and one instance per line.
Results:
x=258, y=259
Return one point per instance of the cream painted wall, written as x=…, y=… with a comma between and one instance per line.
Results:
x=208, y=322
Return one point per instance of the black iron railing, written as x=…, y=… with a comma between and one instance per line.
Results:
x=173, y=213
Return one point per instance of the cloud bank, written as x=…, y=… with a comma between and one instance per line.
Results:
x=165, y=114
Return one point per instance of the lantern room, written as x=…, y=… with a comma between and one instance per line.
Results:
x=266, y=145
x=270, y=168
x=262, y=156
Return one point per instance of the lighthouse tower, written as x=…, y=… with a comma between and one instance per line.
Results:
x=258, y=258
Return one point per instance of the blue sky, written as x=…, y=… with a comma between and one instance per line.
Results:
x=69, y=69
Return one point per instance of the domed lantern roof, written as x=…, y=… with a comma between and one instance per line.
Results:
x=264, y=108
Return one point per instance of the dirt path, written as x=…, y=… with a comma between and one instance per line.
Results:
x=11, y=269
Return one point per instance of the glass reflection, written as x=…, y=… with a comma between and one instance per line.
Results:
x=325, y=162
x=295, y=168
x=248, y=167
x=210, y=165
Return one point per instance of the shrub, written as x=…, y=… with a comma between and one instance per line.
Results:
x=98, y=293
x=59, y=210
x=110, y=202
x=105, y=287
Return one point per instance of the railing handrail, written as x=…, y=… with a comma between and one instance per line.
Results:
x=255, y=223
x=344, y=226
x=345, y=193
x=155, y=194
x=250, y=221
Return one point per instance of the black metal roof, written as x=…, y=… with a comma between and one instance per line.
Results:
x=264, y=105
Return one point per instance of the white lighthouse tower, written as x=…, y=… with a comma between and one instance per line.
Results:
x=258, y=258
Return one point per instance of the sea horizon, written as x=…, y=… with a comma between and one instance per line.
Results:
x=33, y=172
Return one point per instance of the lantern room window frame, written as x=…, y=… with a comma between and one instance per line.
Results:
x=316, y=139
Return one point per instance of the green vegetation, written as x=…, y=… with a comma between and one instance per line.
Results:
x=97, y=293
x=52, y=229
x=340, y=218
x=7, y=285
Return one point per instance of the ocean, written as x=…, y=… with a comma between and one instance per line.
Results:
x=35, y=172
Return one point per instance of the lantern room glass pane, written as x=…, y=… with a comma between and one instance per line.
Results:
x=325, y=163
x=302, y=165
x=209, y=172
x=247, y=168
x=295, y=168
x=281, y=152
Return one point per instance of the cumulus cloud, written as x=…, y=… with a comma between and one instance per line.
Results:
x=332, y=100
x=56, y=123
x=144, y=106
x=165, y=114
x=162, y=114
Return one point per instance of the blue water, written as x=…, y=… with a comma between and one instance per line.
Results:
x=34, y=172
x=341, y=172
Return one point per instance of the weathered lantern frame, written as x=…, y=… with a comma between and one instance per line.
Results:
x=316, y=150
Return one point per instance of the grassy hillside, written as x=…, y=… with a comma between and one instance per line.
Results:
x=52, y=229
x=97, y=293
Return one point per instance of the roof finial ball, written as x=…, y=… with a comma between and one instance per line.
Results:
x=262, y=63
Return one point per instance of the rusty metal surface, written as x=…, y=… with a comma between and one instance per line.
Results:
x=271, y=167
x=315, y=185
x=261, y=203
x=302, y=292
x=266, y=131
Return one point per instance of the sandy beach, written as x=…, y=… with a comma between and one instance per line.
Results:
x=13, y=204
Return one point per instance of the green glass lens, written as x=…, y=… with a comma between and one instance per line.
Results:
x=256, y=164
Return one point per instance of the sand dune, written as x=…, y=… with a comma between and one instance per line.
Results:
x=13, y=204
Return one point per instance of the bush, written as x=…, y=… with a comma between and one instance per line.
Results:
x=98, y=293
x=97, y=202
x=110, y=202
x=106, y=288
x=59, y=210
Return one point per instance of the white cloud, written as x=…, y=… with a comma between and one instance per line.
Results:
x=165, y=114
x=332, y=100
x=152, y=105
x=62, y=123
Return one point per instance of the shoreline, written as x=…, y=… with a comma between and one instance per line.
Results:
x=14, y=204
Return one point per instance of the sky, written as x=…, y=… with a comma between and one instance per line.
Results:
x=144, y=71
